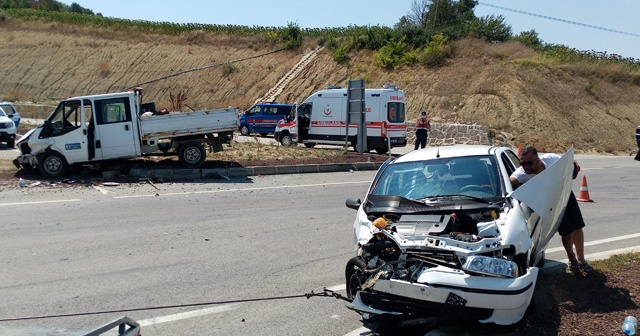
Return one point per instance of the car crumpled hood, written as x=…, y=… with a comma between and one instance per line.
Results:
x=547, y=194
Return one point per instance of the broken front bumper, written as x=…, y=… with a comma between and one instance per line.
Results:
x=442, y=293
x=25, y=160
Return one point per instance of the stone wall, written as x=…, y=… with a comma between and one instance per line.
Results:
x=445, y=134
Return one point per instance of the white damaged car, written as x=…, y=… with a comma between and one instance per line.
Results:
x=442, y=235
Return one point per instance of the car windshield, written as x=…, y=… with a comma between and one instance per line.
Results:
x=475, y=176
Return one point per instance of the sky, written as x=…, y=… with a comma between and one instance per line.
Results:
x=610, y=26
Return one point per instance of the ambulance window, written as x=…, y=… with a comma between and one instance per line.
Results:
x=395, y=112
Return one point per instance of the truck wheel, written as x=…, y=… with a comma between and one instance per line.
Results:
x=192, y=154
x=52, y=164
x=285, y=140
x=244, y=130
x=11, y=143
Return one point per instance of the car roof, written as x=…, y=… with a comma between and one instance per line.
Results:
x=431, y=153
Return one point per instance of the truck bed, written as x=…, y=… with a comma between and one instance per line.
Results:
x=175, y=124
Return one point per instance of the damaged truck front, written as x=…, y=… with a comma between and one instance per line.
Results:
x=91, y=129
x=441, y=235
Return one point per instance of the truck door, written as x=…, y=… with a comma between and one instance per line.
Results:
x=67, y=126
x=114, y=129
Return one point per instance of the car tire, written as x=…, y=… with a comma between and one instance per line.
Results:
x=244, y=130
x=264, y=135
x=11, y=143
x=192, y=154
x=52, y=164
x=285, y=140
x=354, y=276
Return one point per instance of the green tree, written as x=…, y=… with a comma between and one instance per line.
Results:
x=530, y=39
x=490, y=28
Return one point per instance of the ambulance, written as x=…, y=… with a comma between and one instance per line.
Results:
x=321, y=119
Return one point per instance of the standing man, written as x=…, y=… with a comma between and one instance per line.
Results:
x=422, y=126
x=570, y=228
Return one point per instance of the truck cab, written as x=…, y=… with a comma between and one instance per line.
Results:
x=262, y=118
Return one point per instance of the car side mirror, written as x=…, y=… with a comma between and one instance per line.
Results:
x=353, y=203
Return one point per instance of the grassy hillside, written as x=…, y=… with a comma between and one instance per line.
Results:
x=528, y=98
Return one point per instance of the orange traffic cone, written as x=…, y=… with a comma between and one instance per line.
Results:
x=519, y=150
x=583, y=196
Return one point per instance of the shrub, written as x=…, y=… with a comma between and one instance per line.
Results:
x=390, y=55
x=228, y=69
x=291, y=35
x=435, y=52
x=341, y=55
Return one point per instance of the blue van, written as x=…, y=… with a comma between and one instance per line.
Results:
x=262, y=118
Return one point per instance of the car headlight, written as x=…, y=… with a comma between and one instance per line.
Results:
x=9, y=124
x=491, y=266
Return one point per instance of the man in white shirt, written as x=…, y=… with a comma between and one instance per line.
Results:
x=570, y=228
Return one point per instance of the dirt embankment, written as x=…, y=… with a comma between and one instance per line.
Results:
x=504, y=86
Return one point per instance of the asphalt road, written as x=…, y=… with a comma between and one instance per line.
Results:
x=92, y=249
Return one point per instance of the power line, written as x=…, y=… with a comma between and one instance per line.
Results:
x=559, y=20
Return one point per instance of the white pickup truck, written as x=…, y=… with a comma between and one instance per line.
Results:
x=95, y=128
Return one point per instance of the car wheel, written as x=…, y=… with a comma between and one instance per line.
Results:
x=192, y=154
x=263, y=134
x=285, y=140
x=354, y=276
x=52, y=164
x=11, y=143
x=244, y=130
x=310, y=144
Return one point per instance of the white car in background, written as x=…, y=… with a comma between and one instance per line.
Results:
x=7, y=129
x=11, y=112
x=441, y=235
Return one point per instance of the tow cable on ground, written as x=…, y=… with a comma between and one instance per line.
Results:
x=325, y=293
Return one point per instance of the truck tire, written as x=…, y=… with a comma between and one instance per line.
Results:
x=192, y=154
x=244, y=130
x=52, y=164
x=285, y=139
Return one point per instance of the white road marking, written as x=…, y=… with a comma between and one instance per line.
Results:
x=245, y=189
x=358, y=332
x=186, y=315
x=596, y=242
x=102, y=190
x=40, y=202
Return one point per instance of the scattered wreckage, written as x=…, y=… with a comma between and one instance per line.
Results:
x=442, y=235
